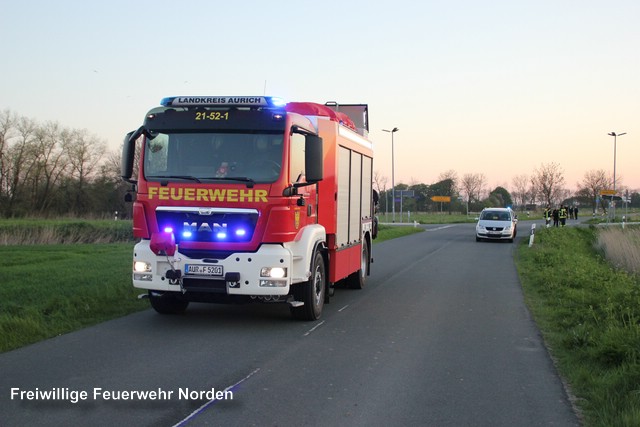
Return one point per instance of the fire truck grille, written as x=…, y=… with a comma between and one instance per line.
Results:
x=193, y=226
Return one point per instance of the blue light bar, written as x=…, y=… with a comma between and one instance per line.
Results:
x=223, y=101
x=278, y=102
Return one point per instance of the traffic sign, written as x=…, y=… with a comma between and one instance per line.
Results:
x=608, y=192
x=441, y=198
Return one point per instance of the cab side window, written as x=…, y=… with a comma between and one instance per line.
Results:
x=296, y=168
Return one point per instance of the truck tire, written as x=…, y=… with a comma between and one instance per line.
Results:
x=312, y=292
x=167, y=303
x=358, y=279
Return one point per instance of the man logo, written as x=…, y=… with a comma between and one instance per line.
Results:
x=205, y=211
x=195, y=227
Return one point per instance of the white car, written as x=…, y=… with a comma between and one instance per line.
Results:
x=497, y=224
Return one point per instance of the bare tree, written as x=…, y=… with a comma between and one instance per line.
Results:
x=20, y=163
x=83, y=153
x=593, y=182
x=532, y=194
x=472, y=185
x=7, y=127
x=50, y=165
x=521, y=190
x=380, y=182
x=548, y=181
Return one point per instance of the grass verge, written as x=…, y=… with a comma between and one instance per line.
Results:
x=49, y=290
x=388, y=232
x=39, y=231
x=589, y=314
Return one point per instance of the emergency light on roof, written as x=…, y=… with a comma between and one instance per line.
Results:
x=223, y=101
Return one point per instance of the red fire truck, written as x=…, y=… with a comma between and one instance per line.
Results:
x=242, y=199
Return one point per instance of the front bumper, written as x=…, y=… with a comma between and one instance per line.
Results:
x=241, y=272
x=497, y=235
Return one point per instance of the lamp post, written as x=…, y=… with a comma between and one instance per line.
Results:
x=615, y=138
x=393, y=182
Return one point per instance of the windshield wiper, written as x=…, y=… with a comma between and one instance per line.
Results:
x=188, y=177
x=250, y=182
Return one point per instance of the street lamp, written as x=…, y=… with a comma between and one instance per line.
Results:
x=393, y=182
x=615, y=137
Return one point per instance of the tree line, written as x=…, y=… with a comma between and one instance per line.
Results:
x=48, y=170
x=470, y=193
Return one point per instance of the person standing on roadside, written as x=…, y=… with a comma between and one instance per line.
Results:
x=562, y=215
x=556, y=216
x=575, y=212
x=547, y=216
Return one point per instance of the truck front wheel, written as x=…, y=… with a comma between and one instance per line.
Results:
x=166, y=303
x=311, y=292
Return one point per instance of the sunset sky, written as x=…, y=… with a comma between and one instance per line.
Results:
x=493, y=87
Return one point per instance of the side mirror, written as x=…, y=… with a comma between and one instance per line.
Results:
x=314, y=158
x=128, y=154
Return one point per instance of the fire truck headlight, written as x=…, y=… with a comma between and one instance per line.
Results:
x=141, y=267
x=273, y=272
x=142, y=271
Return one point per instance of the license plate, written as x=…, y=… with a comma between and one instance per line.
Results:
x=204, y=270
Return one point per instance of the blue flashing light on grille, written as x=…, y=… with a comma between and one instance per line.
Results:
x=226, y=227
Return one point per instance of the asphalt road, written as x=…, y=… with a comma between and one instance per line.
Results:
x=439, y=337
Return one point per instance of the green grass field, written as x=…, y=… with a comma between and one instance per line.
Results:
x=48, y=290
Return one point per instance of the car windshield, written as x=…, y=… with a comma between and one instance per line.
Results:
x=200, y=157
x=495, y=216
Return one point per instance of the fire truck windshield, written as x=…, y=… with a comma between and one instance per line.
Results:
x=200, y=157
